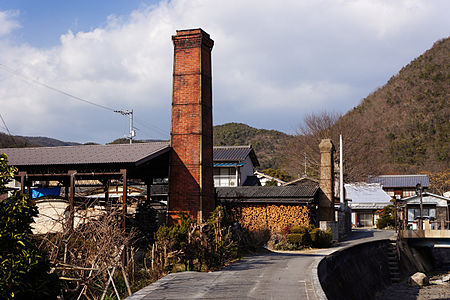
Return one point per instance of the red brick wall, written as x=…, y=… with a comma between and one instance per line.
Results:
x=191, y=164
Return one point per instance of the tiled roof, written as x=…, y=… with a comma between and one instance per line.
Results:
x=302, y=181
x=85, y=154
x=234, y=153
x=401, y=181
x=264, y=194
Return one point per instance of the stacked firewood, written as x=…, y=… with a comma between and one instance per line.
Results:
x=273, y=217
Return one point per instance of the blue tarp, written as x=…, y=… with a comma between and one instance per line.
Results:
x=40, y=192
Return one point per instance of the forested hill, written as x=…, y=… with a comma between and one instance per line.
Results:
x=405, y=125
x=268, y=144
x=7, y=141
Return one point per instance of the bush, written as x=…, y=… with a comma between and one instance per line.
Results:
x=320, y=238
x=299, y=239
x=387, y=217
x=300, y=229
x=24, y=269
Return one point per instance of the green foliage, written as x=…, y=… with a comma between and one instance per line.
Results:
x=298, y=237
x=301, y=229
x=320, y=238
x=276, y=173
x=386, y=217
x=23, y=267
x=269, y=145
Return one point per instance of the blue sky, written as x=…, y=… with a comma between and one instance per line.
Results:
x=43, y=22
x=272, y=63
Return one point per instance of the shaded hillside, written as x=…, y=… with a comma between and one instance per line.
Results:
x=408, y=119
x=7, y=141
x=405, y=125
x=268, y=144
x=48, y=142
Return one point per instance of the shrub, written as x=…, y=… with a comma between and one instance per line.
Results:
x=299, y=239
x=24, y=269
x=320, y=238
x=387, y=217
x=298, y=229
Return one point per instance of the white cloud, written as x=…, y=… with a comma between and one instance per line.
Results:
x=272, y=60
x=8, y=22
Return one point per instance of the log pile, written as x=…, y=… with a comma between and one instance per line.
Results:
x=275, y=218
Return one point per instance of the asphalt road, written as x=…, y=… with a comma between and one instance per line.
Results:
x=266, y=276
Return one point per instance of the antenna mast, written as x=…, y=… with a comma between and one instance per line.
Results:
x=128, y=113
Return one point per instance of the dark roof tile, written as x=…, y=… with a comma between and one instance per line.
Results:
x=85, y=154
x=401, y=181
x=234, y=153
x=268, y=193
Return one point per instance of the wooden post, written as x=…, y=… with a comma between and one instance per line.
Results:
x=71, y=198
x=124, y=197
x=149, y=187
x=107, y=193
x=22, y=182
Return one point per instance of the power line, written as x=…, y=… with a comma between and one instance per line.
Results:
x=7, y=129
x=28, y=79
x=37, y=82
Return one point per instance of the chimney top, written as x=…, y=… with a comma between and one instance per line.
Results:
x=192, y=32
x=326, y=145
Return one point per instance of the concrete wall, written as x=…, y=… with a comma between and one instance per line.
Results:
x=357, y=272
x=361, y=271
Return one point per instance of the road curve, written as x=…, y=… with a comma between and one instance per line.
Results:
x=267, y=276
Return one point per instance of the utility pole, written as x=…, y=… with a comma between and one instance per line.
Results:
x=305, y=166
x=341, y=171
x=128, y=113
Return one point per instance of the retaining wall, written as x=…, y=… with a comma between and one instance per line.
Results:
x=362, y=271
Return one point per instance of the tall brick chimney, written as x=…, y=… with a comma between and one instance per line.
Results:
x=326, y=181
x=191, y=187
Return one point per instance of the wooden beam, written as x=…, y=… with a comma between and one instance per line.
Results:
x=22, y=182
x=124, y=197
x=71, y=198
x=107, y=192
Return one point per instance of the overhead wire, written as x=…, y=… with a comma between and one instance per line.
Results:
x=37, y=82
x=51, y=88
x=7, y=129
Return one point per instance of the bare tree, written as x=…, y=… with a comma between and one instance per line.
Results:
x=360, y=158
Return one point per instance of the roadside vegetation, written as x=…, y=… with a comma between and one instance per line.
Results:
x=300, y=237
x=386, y=218
x=24, y=268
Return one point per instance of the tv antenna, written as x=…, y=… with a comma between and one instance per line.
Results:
x=128, y=113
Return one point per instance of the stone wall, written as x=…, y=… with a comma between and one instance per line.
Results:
x=272, y=217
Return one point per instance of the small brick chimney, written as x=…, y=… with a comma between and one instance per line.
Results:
x=326, y=181
x=191, y=186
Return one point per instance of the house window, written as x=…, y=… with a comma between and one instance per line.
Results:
x=414, y=213
x=365, y=219
x=225, y=177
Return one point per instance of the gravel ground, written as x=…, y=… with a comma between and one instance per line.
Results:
x=405, y=292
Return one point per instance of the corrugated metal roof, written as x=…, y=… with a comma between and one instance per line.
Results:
x=228, y=164
x=262, y=193
x=85, y=154
x=234, y=153
x=366, y=193
x=400, y=181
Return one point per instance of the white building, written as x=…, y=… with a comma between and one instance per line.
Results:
x=365, y=200
x=234, y=166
